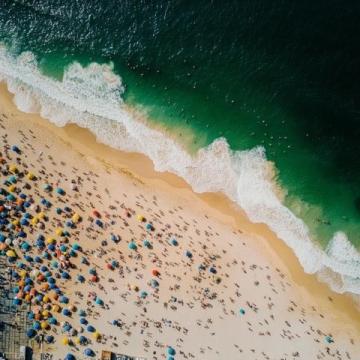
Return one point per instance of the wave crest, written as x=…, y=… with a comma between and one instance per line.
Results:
x=91, y=97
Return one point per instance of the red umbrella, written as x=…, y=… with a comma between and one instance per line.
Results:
x=96, y=214
x=155, y=272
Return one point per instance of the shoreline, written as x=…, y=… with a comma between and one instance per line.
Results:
x=138, y=169
x=85, y=143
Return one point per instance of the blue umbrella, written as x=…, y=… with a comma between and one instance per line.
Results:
x=149, y=227
x=188, y=254
x=36, y=325
x=30, y=333
x=67, y=327
x=82, y=313
x=80, y=278
x=17, y=301
x=65, y=275
x=242, y=311
x=83, y=340
x=16, y=149
x=143, y=294
x=66, y=312
x=52, y=321
x=83, y=321
x=49, y=339
x=22, y=234
x=69, y=357
x=60, y=191
x=89, y=352
x=154, y=283
x=147, y=243
x=64, y=300
x=99, y=223
x=92, y=271
x=132, y=246
x=213, y=270
x=90, y=328
x=98, y=301
x=174, y=242
x=171, y=351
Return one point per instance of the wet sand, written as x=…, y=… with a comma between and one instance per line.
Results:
x=243, y=266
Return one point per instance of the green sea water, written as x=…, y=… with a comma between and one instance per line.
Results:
x=279, y=74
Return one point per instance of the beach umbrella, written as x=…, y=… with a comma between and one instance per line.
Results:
x=67, y=327
x=132, y=246
x=82, y=313
x=83, y=321
x=17, y=301
x=75, y=218
x=36, y=325
x=31, y=333
x=171, y=351
x=188, y=254
x=16, y=149
x=242, y=311
x=96, y=214
x=58, y=211
x=49, y=339
x=13, y=169
x=55, y=308
x=70, y=357
x=10, y=197
x=66, y=312
x=11, y=254
x=155, y=272
x=174, y=242
x=154, y=283
x=109, y=266
x=47, y=187
x=60, y=191
x=66, y=341
x=90, y=328
x=65, y=275
x=80, y=278
x=76, y=246
x=59, y=232
x=115, y=323
x=213, y=270
x=147, y=243
x=99, y=223
x=115, y=238
x=38, y=259
x=89, y=352
x=44, y=325
x=329, y=339
x=83, y=340
x=98, y=301
x=52, y=321
x=96, y=335
x=149, y=227
x=143, y=294
x=64, y=300
x=94, y=278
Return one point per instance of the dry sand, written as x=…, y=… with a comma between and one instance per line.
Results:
x=287, y=313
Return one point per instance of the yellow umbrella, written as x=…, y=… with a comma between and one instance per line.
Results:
x=34, y=221
x=96, y=335
x=140, y=218
x=58, y=232
x=27, y=297
x=77, y=340
x=65, y=341
x=30, y=176
x=41, y=215
x=10, y=253
x=56, y=308
x=44, y=325
x=12, y=188
x=45, y=314
x=75, y=218
x=50, y=241
x=46, y=299
x=22, y=273
x=15, y=222
x=13, y=169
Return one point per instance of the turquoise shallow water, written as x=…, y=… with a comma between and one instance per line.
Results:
x=281, y=75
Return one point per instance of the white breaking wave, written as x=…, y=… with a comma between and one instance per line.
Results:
x=91, y=98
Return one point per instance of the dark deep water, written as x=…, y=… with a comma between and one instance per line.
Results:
x=282, y=74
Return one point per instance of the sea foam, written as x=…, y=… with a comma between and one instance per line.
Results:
x=91, y=97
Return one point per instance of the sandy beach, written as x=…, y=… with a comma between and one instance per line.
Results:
x=160, y=265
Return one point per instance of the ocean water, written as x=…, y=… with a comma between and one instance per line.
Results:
x=262, y=97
